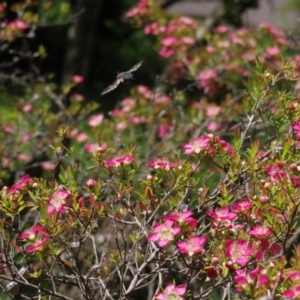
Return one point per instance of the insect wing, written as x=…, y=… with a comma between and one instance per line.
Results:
x=111, y=87
x=135, y=67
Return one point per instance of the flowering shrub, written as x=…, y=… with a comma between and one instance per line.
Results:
x=174, y=196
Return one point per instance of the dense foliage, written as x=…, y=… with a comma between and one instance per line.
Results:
x=187, y=189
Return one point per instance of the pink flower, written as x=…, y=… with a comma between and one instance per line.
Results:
x=272, y=249
x=294, y=104
x=163, y=130
x=137, y=120
x=224, y=145
x=140, y=10
x=48, y=165
x=192, y=246
x=142, y=89
x=118, y=113
x=210, y=49
x=8, y=128
x=24, y=157
x=208, y=81
x=296, y=128
x=162, y=99
x=215, y=260
x=172, y=292
x=221, y=29
x=57, y=201
x=273, y=30
x=31, y=233
x=238, y=251
x=37, y=235
x=37, y=245
x=5, y=161
x=149, y=177
x=17, y=24
x=132, y=12
x=19, y=185
x=103, y=147
x=293, y=274
x=241, y=206
x=148, y=29
x=81, y=137
x=90, y=183
x=292, y=293
x=187, y=40
x=295, y=182
x=91, y=147
x=95, y=120
x=260, y=232
x=236, y=39
x=153, y=28
x=212, y=111
x=27, y=108
x=197, y=145
x=182, y=217
x=162, y=163
x=77, y=78
x=166, y=52
x=273, y=51
x=214, y=126
x=20, y=24
x=121, y=126
x=277, y=172
x=248, y=56
x=128, y=104
x=263, y=199
x=78, y=97
x=221, y=214
x=168, y=41
x=244, y=278
x=187, y=21
x=163, y=233
x=207, y=143
x=207, y=74
x=116, y=161
x=223, y=44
